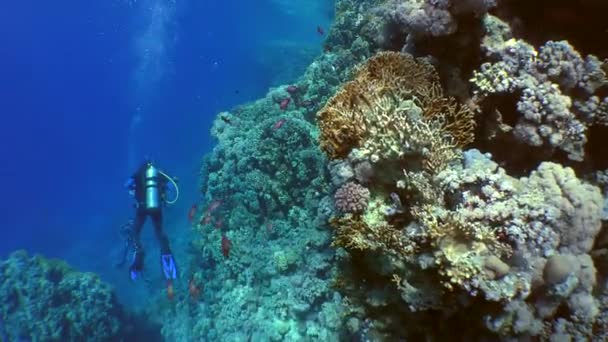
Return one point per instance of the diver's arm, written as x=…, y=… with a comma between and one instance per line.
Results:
x=130, y=185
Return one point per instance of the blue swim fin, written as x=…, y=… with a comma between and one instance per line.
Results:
x=168, y=265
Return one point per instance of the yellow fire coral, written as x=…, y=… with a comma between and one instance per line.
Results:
x=395, y=107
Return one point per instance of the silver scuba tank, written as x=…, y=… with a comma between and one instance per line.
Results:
x=152, y=190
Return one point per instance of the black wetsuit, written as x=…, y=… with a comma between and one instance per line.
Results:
x=141, y=213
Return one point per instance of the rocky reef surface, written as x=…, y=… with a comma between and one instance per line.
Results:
x=46, y=300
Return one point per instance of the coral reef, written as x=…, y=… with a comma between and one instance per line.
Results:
x=276, y=196
x=433, y=161
x=453, y=231
x=48, y=301
x=394, y=107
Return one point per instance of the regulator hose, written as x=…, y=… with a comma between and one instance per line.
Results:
x=174, y=184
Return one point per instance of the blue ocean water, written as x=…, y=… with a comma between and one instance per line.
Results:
x=91, y=87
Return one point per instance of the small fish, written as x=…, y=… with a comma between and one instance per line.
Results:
x=278, y=124
x=292, y=89
x=226, y=120
x=206, y=219
x=170, y=290
x=284, y=103
x=326, y=48
x=306, y=103
x=191, y=213
x=226, y=246
x=320, y=30
x=214, y=205
x=193, y=289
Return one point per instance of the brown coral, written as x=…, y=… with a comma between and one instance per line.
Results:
x=352, y=232
x=376, y=106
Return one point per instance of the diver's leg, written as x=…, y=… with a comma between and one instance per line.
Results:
x=163, y=241
x=166, y=259
x=138, y=258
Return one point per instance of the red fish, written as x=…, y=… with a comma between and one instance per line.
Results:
x=193, y=289
x=226, y=245
x=320, y=30
x=214, y=205
x=278, y=124
x=191, y=212
x=284, y=103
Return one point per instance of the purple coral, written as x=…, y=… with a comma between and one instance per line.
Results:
x=351, y=198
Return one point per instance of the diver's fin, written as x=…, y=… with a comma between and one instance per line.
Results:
x=168, y=265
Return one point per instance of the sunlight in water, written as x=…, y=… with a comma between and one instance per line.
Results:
x=152, y=45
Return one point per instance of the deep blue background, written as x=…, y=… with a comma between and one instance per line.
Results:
x=73, y=77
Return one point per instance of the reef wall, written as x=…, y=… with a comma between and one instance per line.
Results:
x=437, y=172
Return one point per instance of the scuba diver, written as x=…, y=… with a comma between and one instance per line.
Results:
x=149, y=187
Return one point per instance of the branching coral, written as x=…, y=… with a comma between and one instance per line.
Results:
x=369, y=232
x=393, y=108
x=342, y=119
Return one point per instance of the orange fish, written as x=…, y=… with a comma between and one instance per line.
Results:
x=170, y=290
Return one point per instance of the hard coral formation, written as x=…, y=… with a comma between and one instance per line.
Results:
x=424, y=18
x=48, y=301
x=555, y=89
x=351, y=198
